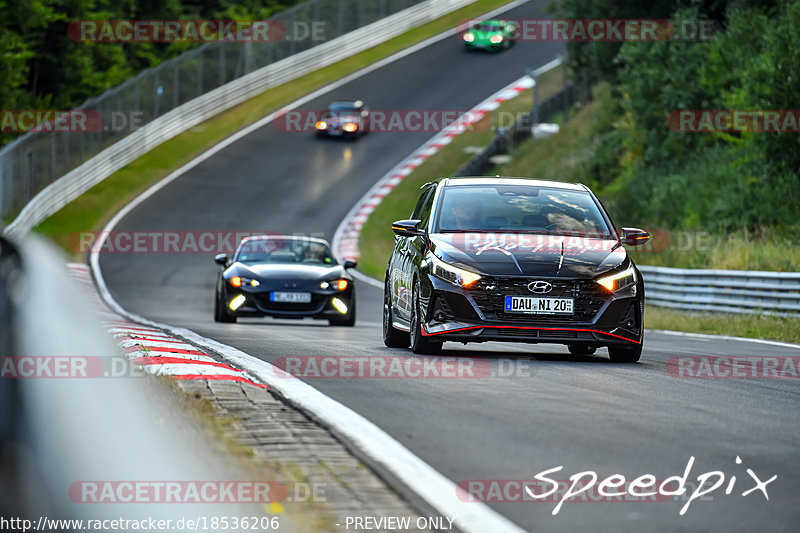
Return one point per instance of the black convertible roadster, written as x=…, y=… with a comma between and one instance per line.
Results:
x=284, y=276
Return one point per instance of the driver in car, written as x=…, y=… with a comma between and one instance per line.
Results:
x=315, y=253
x=468, y=214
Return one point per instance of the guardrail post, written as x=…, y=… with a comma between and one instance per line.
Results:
x=564, y=92
x=221, y=64
x=200, y=62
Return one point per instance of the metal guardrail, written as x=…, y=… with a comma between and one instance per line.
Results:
x=44, y=171
x=729, y=291
x=66, y=429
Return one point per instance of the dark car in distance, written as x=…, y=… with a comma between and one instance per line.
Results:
x=515, y=260
x=284, y=276
x=344, y=118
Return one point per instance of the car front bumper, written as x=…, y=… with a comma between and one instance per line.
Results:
x=453, y=314
x=322, y=305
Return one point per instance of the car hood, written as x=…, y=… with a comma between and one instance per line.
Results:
x=502, y=254
x=298, y=272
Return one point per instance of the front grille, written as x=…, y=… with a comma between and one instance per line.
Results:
x=262, y=301
x=538, y=333
x=489, y=294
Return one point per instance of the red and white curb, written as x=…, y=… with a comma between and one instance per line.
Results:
x=345, y=240
x=153, y=350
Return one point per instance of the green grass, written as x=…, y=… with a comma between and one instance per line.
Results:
x=95, y=207
x=375, y=243
x=752, y=326
x=564, y=157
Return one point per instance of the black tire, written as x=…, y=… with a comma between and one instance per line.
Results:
x=419, y=344
x=581, y=349
x=349, y=320
x=392, y=337
x=619, y=354
x=221, y=313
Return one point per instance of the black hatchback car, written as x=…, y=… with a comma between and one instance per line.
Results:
x=515, y=260
x=284, y=276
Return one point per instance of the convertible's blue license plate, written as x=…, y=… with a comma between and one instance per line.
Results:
x=539, y=306
x=290, y=297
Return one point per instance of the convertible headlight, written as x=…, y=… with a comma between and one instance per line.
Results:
x=238, y=281
x=496, y=39
x=452, y=274
x=618, y=281
x=338, y=284
x=468, y=37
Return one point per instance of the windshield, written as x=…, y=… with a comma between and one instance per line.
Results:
x=520, y=208
x=487, y=27
x=284, y=250
x=343, y=107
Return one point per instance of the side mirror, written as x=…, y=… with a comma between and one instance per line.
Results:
x=221, y=259
x=349, y=264
x=407, y=228
x=634, y=236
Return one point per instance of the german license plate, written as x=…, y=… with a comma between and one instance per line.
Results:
x=290, y=297
x=539, y=306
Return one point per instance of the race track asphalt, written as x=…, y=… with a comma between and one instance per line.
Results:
x=539, y=407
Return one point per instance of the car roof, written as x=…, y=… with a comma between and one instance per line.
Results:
x=298, y=237
x=348, y=103
x=497, y=180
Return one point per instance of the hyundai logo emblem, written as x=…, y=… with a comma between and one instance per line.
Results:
x=540, y=287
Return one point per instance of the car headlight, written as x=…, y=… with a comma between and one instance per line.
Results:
x=452, y=274
x=238, y=281
x=338, y=284
x=321, y=125
x=496, y=39
x=468, y=37
x=350, y=127
x=618, y=281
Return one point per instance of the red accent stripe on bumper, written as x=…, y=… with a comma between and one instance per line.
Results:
x=426, y=334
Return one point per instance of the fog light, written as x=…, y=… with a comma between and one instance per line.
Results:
x=236, y=303
x=439, y=316
x=339, y=305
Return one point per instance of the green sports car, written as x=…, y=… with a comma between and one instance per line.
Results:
x=490, y=35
